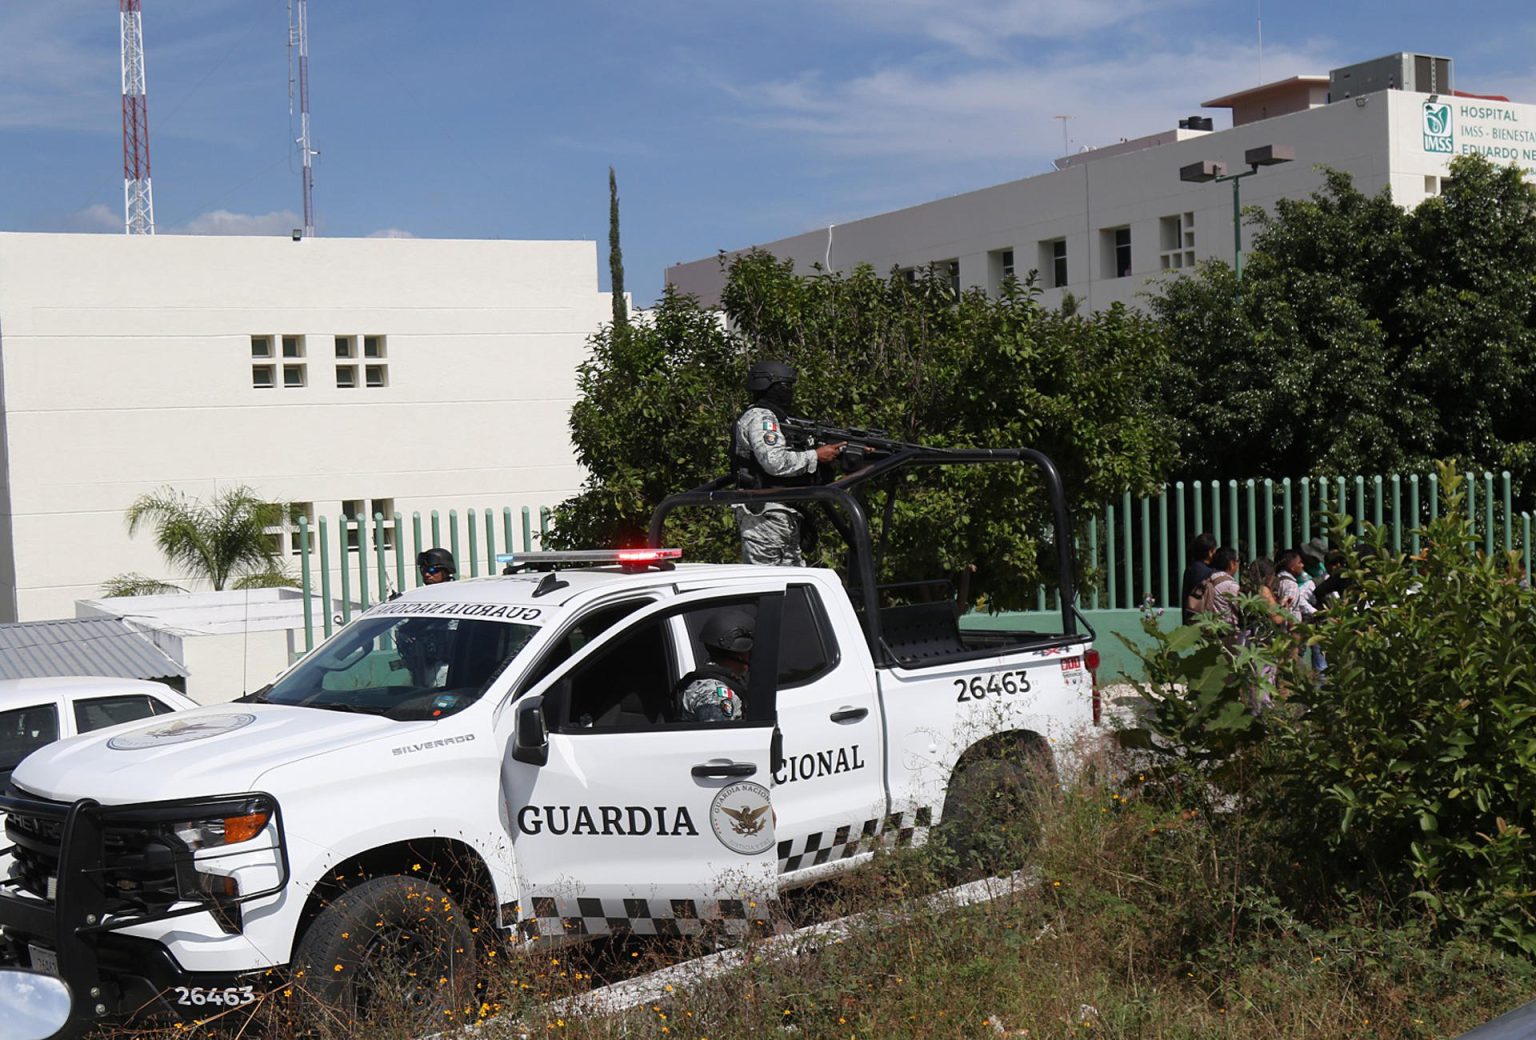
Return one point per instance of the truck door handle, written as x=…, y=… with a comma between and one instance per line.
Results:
x=718, y=770
x=848, y=714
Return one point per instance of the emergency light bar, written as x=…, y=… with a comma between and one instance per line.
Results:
x=626, y=557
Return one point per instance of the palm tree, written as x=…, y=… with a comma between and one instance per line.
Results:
x=224, y=542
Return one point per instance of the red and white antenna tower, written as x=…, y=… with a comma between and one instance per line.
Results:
x=298, y=36
x=138, y=199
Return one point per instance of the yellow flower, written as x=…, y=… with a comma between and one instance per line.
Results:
x=339, y=967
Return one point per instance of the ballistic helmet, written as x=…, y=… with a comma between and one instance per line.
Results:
x=435, y=558
x=764, y=374
x=729, y=630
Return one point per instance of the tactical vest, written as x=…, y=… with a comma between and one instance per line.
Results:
x=749, y=472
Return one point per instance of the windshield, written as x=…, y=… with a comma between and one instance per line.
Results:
x=404, y=668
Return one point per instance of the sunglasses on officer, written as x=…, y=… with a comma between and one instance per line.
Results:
x=433, y=570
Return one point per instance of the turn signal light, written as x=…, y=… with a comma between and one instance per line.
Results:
x=243, y=828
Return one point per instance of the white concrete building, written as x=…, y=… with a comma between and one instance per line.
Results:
x=229, y=643
x=334, y=374
x=1106, y=221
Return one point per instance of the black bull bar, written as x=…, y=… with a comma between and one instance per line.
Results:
x=110, y=975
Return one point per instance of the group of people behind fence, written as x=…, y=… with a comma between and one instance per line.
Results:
x=1294, y=586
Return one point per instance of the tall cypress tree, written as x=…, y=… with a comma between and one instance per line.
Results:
x=615, y=256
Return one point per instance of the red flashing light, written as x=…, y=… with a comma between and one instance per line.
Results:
x=648, y=555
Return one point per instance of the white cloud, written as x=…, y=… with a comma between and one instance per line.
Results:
x=914, y=114
x=224, y=222
x=98, y=217
x=980, y=27
x=390, y=232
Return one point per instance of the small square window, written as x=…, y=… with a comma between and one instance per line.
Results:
x=293, y=346
x=261, y=346
x=263, y=377
x=346, y=346
x=293, y=375
x=373, y=346
x=376, y=375
x=346, y=376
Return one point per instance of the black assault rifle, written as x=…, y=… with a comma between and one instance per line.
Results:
x=861, y=446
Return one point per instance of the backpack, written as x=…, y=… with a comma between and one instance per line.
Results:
x=1204, y=599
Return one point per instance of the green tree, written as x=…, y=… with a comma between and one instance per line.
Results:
x=616, y=256
x=912, y=359
x=1363, y=336
x=224, y=541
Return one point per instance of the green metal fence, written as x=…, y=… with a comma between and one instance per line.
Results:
x=1133, y=550
x=1137, y=547
x=337, y=555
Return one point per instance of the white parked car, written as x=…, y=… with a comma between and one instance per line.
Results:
x=34, y=712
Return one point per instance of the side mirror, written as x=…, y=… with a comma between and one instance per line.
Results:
x=36, y=1005
x=530, y=738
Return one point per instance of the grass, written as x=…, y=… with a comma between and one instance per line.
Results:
x=1152, y=919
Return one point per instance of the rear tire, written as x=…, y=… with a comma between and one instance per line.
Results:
x=990, y=811
x=391, y=948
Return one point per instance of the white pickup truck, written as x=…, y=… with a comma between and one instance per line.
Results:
x=511, y=750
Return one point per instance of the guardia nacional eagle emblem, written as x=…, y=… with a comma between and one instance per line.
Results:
x=742, y=818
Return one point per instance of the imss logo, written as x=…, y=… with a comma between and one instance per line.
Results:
x=1438, y=135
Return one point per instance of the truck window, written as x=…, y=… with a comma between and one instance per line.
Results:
x=99, y=712
x=807, y=646
x=626, y=685
x=404, y=667
x=25, y=730
x=587, y=628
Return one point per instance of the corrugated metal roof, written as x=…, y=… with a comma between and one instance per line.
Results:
x=81, y=646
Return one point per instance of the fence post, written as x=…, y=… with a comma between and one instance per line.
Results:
x=1376, y=489
x=1269, y=517
x=1253, y=520
x=527, y=531
x=1162, y=541
x=506, y=530
x=1199, y=498
x=400, y=554
x=1306, y=510
x=1359, y=505
x=1525, y=542
x=380, y=558
x=416, y=546
x=474, y=546
x=1434, y=497
x=346, y=571
x=1488, y=512
x=1183, y=538
x=1130, y=557
x=1093, y=560
x=309, y=606
x=325, y=577
x=437, y=534
x=1146, y=549
x=1216, y=512
x=545, y=515
x=1109, y=552
x=453, y=534
x=362, y=561
x=1232, y=514
x=1413, y=513
x=1397, y=515
x=490, y=542
x=1509, y=516
x=1040, y=598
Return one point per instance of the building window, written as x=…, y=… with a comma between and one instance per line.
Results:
x=263, y=377
x=346, y=376
x=376, y=375
x=908, y=275
x=346, y=346
x=950, y=269
x=293, y=346
x=284, y=535
x=362, y=511
x=1001, y=267
x=1115, y=245
x=1053, y=263
x=293, y=375
x=1177, y=241
x=261, y=346
x=373, y=346
x=1007, y=263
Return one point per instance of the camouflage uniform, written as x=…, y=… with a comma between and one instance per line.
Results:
x=710, y=695
x=770, y=532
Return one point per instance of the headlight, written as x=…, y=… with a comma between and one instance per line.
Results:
x=220, y=831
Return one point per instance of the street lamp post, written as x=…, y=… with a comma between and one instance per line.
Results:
x=1205, y=172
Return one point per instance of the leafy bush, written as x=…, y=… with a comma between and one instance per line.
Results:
x=1409, y=771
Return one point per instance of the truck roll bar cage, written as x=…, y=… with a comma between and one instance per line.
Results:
x=840, y=494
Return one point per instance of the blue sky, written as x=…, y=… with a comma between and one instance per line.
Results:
x=728, y=122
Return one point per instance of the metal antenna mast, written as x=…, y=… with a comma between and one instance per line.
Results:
x=138, y=199
x=298, y=36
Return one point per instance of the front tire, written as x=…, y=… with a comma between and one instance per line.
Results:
x=390, y=948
